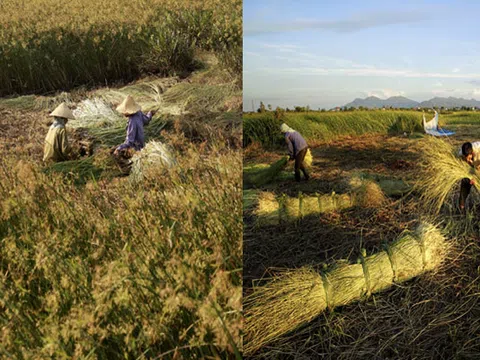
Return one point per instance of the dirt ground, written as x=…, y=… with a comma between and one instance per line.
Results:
x=335, y=235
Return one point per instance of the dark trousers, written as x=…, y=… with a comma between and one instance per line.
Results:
x=465, y=188
x=300, y=165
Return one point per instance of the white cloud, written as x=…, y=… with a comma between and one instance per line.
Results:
x=370, y=71
x=385, y=93
x=456, y=70
x=251, y=53
x=281, y=47
x=351, y=24
x=463, y=93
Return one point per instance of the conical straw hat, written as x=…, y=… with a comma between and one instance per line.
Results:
x=62, y=111
x=284, y=128
x=128, y=106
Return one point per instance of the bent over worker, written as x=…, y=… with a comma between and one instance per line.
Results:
x=135, y=138
x=297, y=149
x=56, y=146
x=470, y=152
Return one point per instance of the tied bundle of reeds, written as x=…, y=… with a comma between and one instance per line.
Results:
x=295, y=297
x=96, y=113
x=308, y=158
x=442, y=169
x=154, y=155
x=267, y=174
x=273, y=209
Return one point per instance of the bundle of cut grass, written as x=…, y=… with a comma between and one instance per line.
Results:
x=394, y=187
x=441, y=171
x=154, y=155
x=272, y=210
x=308, y=158
x=95, y=113
x=80, y=171
x=295, y=297
x=391, y=186
x=250, y=198
x=266, y=175
x=366, y=193
x=196, y=98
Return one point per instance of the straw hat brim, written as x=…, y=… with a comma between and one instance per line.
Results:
x=62, y=111
x=128, y=107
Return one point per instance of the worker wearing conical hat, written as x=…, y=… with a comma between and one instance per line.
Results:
x=297, y=149
x=56, y=146
x=469, y=152
x=136, y=121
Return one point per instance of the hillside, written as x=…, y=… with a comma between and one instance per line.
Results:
x=402, y=102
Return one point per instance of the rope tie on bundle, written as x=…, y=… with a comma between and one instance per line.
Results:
x=422, y=249
x=366, y=274
x=393, y=263
x=326, y=288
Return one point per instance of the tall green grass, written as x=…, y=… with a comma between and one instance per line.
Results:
x=264, y=128
x=91, y=43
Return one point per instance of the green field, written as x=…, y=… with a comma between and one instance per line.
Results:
x=85, y=43
x=325, y=126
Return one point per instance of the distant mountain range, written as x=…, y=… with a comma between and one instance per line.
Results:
x=403, y=102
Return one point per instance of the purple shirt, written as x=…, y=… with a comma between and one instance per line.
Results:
x=295, y=142
x=135, y=136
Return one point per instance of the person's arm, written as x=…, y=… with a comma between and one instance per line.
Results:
x=289, y=145
x=130, y=140
x=63, y=142
x=147, y=118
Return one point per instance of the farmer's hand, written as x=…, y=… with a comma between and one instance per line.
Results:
x=153, y=112
x=116, y=152
x=472, y=181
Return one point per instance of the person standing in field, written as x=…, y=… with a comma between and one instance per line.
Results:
x=470, y=152
x=135, y=139
x=297, y=149
x=56, y=146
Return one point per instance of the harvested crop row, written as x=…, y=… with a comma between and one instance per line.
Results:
x=298, y=296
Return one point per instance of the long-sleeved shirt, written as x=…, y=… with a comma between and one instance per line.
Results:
x=56, y=142
x=135, y=135
x=295, y=142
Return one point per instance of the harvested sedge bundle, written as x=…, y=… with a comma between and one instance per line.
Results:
x=308, y=158
x=153, y=155
x=295, y=297
x=96, y=113
x=266, y=175
x=441, y=171
x=272, y=210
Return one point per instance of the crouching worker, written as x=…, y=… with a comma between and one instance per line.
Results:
x=297, y=149
x=470, y=152
x=135, y=139
x=56, y=146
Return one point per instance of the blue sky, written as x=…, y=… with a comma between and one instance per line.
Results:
x=326, y=53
